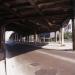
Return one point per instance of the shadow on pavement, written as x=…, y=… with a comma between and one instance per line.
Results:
x=18, y=49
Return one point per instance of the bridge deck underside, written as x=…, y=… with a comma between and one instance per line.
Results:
x=30, y=16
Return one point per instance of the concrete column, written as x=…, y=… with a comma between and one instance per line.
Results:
x=31, y=38
x=2, y=42
x=50, y=37
x=61, y=36
x=28, y=38
x=73, y=25
x=2, y=36
x=56, y=36
x=24, y=39
x=34, y=38
x=39, y=38
x=44, y=39
x=15, y=38
x=20, y=39
x=73, y=33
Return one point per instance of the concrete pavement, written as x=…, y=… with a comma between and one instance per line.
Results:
x=2, y=68
x=32, y=62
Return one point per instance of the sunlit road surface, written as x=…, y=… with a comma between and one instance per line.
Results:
x=39, y=62
x=56, y=45
x=2, y=68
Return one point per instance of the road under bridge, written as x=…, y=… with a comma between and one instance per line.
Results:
x=32, y=17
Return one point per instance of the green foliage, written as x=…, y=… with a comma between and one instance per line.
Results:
x=68, y=35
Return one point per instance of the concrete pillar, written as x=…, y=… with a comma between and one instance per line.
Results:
x=62, y=35
x=2, y=42
x=24, y=39
x=20, y=39
x=50, y=37
x=39, y=38
x=2, y=36
x=30, y=38
x=44, y=39
x=73, y=24
x=73, y=33
x=27, y=38
x=56, y=36
x=34, y=38
x=15, y=37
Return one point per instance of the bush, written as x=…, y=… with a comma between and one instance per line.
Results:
x=68, y=35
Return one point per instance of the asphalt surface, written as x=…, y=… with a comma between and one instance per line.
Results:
x=30, y=60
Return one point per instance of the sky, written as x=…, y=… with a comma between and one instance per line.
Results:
x=7, y=35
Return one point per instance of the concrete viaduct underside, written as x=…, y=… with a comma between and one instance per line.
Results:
x=27, y=17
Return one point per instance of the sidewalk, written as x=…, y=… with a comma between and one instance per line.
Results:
x=57, y=46
x=54, y=46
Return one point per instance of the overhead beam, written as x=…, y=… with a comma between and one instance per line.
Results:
x=52, y=3
x=40, y=12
